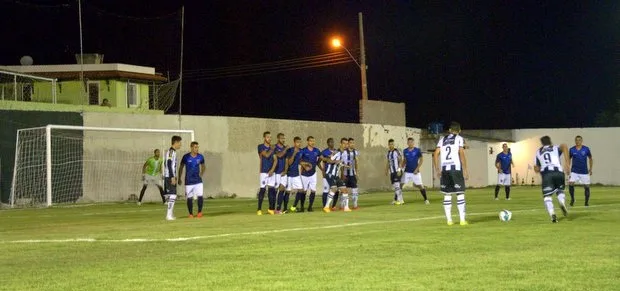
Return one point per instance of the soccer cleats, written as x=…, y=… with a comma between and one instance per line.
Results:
x=259, y=212
x=464, y=222
x=327, y=210
x=170, y=218
x=554, y=218
x=271, y=212
x=199, y=215
x=450, y=222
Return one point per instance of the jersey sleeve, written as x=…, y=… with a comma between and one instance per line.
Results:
x=440, y=142
x=337, y=156
x=460, y=141
x=202, y=159
x=589, y=153
x=497, y=159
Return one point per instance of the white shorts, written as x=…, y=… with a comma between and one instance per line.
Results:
x=309, y=183
x=281, y=180
x=193, y=190
x=325, y=186
x=416, y=179
x=294, y=183
x=503, y=179
x=583, y=179
x=265, y=180
x=148, y=179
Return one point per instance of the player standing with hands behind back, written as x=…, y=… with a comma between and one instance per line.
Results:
x=452, y=171
x=170, y=175
x=195, y=163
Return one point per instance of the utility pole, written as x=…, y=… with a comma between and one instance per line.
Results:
x=362, y=67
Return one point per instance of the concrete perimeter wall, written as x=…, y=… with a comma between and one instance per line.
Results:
x=603, y=142
x=229, y=145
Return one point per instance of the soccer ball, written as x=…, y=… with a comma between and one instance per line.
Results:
x=505, y=215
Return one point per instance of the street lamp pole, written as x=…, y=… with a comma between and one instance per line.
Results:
x=362, y=61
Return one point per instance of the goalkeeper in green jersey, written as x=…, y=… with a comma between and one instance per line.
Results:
x=151, y=171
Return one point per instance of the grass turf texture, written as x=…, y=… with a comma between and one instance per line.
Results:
x=380, y=247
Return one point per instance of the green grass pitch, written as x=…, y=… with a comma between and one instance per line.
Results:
x=380, y=247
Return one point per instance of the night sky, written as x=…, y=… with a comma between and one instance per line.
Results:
x=487, y=64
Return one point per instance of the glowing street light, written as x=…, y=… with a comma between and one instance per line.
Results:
x=337, y=43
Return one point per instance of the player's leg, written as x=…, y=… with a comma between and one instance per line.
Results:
x=325, y=191
x=548, y=190
x=352, y=184
x=298, y=193
x=283, y=183
x=459, y=187
x=559, y=181
x=345, y=195
x=498, y=186
x=261, y=192
x=330, y=196
x=189, y=194
x=171, y=191
x=417, y=181
x=447, y=187
x=507, y=185
x=312, y=187
x=572, y=178
x=144, y=185
x=162, y=193
x=199, y=192
x=585, y=180
x=335, y=200
x=271, y=194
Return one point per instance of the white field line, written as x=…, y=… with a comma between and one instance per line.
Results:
x=251, y=233
x=128, y=211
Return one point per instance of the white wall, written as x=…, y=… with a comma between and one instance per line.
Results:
x=603, y=142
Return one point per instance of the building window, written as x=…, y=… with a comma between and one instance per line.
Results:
x=93, y=93
x=132, y=95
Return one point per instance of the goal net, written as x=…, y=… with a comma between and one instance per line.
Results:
x=60, y=164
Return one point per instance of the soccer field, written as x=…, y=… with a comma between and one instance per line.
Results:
x=380, y=247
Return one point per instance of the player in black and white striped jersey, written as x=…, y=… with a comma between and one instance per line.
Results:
x=392, y=168
x=452, y=171
x=333, y=172
x=350, y=173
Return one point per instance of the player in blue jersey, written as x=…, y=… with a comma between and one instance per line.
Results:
x=293, y=158
x=195, y=164
x=280, y=172
x=580, y=170
x=504, y=164
x=309, y=160
x=267, y=178
x=170, y=175
x=412, y=162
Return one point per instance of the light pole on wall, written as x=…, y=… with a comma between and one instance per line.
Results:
x=337, y=43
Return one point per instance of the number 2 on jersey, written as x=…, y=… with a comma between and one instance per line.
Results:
x=448, y=152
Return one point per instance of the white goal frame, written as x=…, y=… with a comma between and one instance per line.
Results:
x=48, y=149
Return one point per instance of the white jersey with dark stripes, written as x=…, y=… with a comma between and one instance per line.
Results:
x=449, y=146
x=334, y=169
x=351, y=156
x=548, y=158
x=393, y=157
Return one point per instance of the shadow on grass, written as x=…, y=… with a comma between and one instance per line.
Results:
x=576, y=215
x=483, y=218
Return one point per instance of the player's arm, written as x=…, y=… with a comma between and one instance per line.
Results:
x=144, y=166
x=498, y=164
x=181, y=167
x=273, y=166
x=463, y=162
x=436, y=161
x=387, y=167
x=266, y=153
x=565, y=154
x=282, y=153
x=203, y=167
x=590, y=162
x=420, y=161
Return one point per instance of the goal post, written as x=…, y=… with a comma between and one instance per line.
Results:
x=59, y=164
